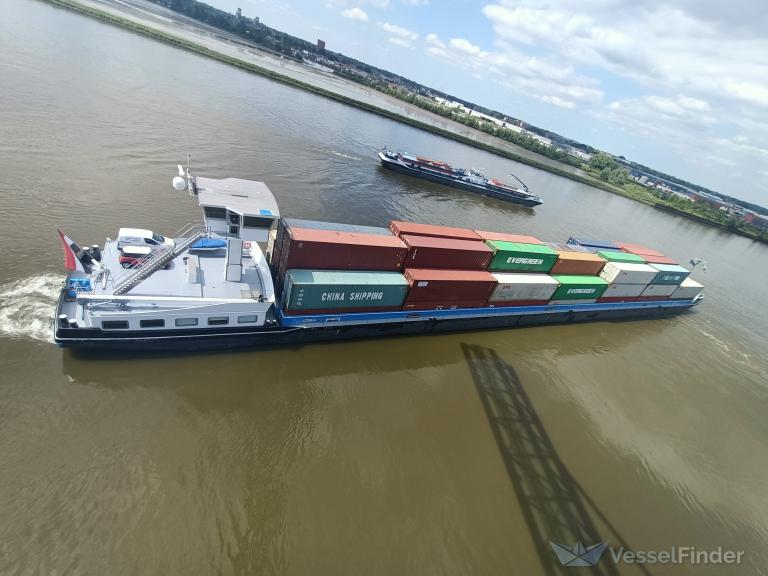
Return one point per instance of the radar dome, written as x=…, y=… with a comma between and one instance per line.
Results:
x=179, y=183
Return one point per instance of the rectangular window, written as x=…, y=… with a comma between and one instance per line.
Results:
x=186, y=321
x=152, y=323
x=218, y=320
x=249, y=319
x=256, y=222
x=115, y=324
x=211, y=212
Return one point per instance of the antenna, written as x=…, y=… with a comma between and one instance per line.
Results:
x=189, y=157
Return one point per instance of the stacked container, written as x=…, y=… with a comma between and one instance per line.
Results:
x=504, y=237
x=665, y=283
x=449, y=253
x=522, y=289
x=285, y=223
x=518, y=257
x=688, y=290
x=399, y=228
x=627, y=280
x=593, y=245
x=337, y=291
x=432, y=289
x=572, y=262
x=649, y=254
x=578, y=289
x=619, y=256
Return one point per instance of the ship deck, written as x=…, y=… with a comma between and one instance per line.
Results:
x=172, y=281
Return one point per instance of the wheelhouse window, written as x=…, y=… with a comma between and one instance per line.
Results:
x=256, y=222
x=157, y=238
x=182, y=322
x=152, y=323
x=212, y=212
x=218, y=320
x=248, y=319
x=115, y=324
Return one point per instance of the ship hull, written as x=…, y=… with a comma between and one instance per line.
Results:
x=434, y=322
x=454, y=183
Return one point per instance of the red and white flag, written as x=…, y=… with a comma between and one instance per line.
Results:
x=75, y=258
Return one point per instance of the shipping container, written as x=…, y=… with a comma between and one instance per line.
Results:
x=579, y=287
x=342, y=289
x=285, y=223
x=433, y=252
x=670, y=274
x=332, y=311
x=688, y=290
x=659, y=259
x=526, y=287
x=509, y=303
x=444, y=305
x=628, y=273
x=619, y=256
x=577, y=263
x=563, y=247
x=571, y=301
x=624, y=290
x=331, y=250
x=430, y=285
x=638, y=249
x=592, y=243
x=652, y=298
x=665, y=290
x=514, y=256
x=613, y=299
x=504, y=237
x=398, y=228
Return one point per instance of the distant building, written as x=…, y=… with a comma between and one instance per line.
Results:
x=320, y=44
x=239, y=13
x=756, y=220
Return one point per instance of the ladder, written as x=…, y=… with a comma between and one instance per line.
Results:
x=158, y=258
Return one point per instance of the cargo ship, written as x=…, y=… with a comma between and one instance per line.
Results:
x=245, y=276
x=464, y=179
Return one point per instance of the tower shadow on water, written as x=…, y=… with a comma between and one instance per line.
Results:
x=553, y=504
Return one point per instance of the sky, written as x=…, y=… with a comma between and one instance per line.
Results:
x=681, y=87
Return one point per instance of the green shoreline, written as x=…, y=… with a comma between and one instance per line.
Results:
x=208, y=53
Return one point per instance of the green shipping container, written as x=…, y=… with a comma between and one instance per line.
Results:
x=614, y=256
x=579, y=287
x=336, y=289
x=670, y=274
x=515, y=256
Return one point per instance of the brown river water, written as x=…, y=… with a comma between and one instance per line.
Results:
x=455, y=454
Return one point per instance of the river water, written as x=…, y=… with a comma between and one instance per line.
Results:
x=455, y=454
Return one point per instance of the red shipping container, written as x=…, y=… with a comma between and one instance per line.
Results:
x=503, y=237
x=443, y=305
x=618, y=299
x=658, y=259
x=333, y=250
x=507, y=303
x=431, y=252
x=638, y=249
x=340, y=310
x=398, y=228
x=448, y=285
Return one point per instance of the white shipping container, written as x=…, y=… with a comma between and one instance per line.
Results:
x=659, y=290
x=623, y=290
x=580, y=301
x=628, y=273
x=688, y=290
x=523, y=287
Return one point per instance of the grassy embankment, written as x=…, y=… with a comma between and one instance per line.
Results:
x=631, y=191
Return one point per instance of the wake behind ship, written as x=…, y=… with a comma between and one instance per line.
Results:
x=464, y=179
x=248, y=277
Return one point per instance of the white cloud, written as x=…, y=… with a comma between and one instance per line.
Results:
x=397, y=41
x=559, y=102
x=399, y=31
x=355, y=13
x=465, y=46
x=415, y=2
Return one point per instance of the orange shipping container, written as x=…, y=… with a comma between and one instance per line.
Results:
x=504, y=237
x=578, y=263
